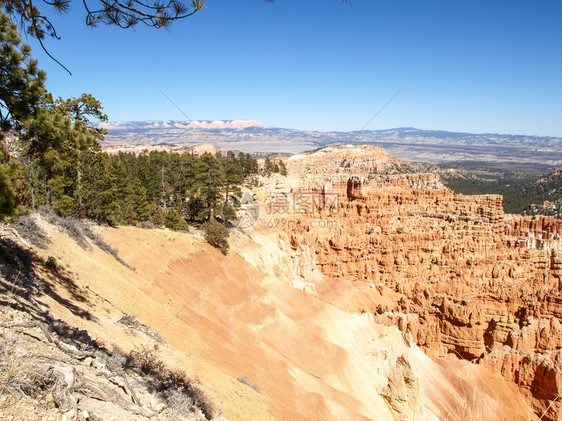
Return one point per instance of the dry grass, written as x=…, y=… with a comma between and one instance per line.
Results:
x=80, y=231
x=28, y=228
x=246, y=380
x=131, y=321
x=179, y=391
x=17, y=375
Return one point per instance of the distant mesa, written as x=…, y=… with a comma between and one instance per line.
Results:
x=198, y=149
x=348, y=159
x=482, y=152
x=171, y=124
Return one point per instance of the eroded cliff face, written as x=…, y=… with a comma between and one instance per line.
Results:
x=258, y=347
x=453, y=271
x=349, y=159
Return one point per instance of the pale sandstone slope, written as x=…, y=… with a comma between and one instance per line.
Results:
x=309, y=359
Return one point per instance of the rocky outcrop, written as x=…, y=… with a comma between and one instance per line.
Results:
x=403, y=389
x=348, y=159
x=466, y=280
x=258, y=347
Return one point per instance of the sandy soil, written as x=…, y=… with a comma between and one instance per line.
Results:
x=224, y=318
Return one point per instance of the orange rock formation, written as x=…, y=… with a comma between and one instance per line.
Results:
x=453, y=271
x=231, y=317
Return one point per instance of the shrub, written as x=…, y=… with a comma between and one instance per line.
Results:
x=73, y=227
x=130, y=216
x=173, y=220
x=17, y=375
x=177, y=388
x=146, y=360
x=130, y=320
x=33, y=232
x=176, y=380
x=52, y=263
x=156, y=216
x=79, y=230
x=245, y=380
x=216, y=234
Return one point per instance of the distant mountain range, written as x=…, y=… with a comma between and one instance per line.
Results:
x=172, y=124
x=482, y=152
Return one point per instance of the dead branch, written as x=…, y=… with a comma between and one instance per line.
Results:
x=4, y=228
x=79, y=355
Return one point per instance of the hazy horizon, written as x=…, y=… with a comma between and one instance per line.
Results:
x=382, y=129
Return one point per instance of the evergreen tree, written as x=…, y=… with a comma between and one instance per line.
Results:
x=85, y=137
x=216, y=234
x=60, y=163
x=21, y=81
x=130, y=216
x=21, y=89
x=100, y=193
x=232, y=176
x=282, y=168
x=123, y=167
x=136, y=200
x=46, y=135
x=207, y=185
x=173, y=220
x=34, y=16
x=252, y=164
x=8, y=198
x=267, y=167
x=248, y=164
x=156, y=215
x=57, y=136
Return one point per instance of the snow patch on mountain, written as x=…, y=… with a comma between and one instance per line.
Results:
x=171, y=124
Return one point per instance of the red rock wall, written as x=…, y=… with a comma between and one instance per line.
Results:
x=467, y=280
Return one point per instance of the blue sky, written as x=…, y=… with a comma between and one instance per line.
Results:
x=483, y=66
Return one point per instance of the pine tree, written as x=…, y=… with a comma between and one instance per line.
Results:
x=100, y=193
x=267, y=167
x=248, y=164
x=34, y=16
x=136, y=200
x=21, y=89
x=8, y=199
x=156, y=215
x=216, y=234
x=232, y=176
x=46, y=135
x=130, y=216
x=84, y=137
x=21, y=81
x=207, y=184
x=57, y=137
x=173, y=220
x=282, y=168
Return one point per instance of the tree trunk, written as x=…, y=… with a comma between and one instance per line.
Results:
x=163, y=189
x=31, y=186
x=47, y=188
x=81, y=211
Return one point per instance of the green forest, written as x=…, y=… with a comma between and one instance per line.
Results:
x=159, y=187
x=51, y=156
x=527, y=198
